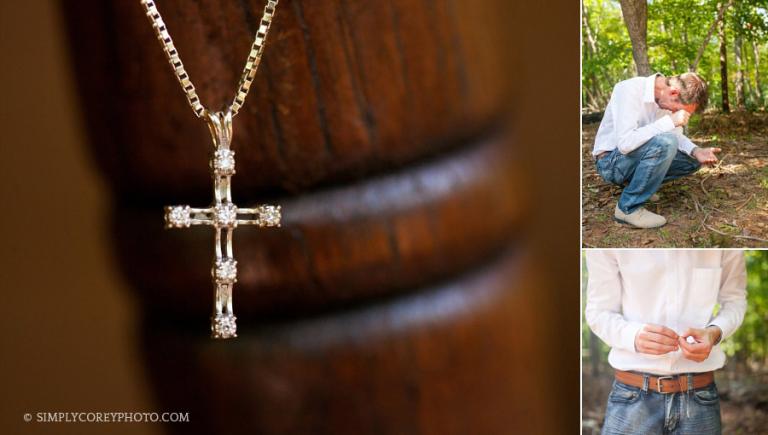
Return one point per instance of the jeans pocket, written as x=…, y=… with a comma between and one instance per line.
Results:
x=622, y=393
x=706, y=396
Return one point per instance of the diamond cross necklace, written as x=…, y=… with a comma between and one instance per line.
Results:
x=223, y=215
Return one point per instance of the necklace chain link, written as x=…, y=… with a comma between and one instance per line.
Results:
x=249, y=71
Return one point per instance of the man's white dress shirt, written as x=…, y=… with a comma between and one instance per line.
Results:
x=632, y=118
x=674, y=288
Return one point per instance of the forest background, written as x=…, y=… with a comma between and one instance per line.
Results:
x=726, y=43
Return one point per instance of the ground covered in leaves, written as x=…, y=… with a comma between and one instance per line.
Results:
x=743, y=399
x=721, y=206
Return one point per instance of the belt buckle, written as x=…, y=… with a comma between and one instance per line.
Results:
x=658, y=384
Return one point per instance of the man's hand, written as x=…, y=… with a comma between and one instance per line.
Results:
x=680, y=118
x=656, y=340
x=703, y=341
x=706, y=156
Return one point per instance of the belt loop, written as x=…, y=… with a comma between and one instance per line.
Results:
x=690, y=381
x=645, y=382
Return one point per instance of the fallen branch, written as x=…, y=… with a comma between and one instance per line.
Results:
x=745, y=202
x=702, y=185
x=706, y=215
x=696, y=204
x=714, y=169
x=735, y=236
x=720, y=162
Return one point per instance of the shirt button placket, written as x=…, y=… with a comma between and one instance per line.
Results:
x=672, y=307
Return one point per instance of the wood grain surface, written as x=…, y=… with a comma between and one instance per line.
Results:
x=345, y=89
x=398, y=296
x=452, y=359
x=342, y=245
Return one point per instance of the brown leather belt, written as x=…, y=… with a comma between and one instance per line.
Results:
x=601, y=155
x=665, y=384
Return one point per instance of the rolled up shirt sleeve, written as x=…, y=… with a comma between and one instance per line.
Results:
x=733, y=293
x=603, y=308
x=683, y=143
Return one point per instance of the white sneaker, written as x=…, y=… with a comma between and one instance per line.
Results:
x=640, y=218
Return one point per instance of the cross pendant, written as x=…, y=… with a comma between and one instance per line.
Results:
x=225, y=216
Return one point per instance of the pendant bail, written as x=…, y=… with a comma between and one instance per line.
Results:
x=220, y=126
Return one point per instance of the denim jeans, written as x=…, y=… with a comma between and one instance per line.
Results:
x=638, y=411
x=652, y=163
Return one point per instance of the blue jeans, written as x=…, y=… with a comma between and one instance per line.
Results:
x=641, y=411
x=652, y=163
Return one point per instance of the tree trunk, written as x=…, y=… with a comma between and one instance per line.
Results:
x=589, y=53
x=749, y=93
x=635, y=13
x=723, y=68
x=672, y=59
x=703, y=46
x=758, y=90
x=588, y=30
x=739, y=79
x=685, y=43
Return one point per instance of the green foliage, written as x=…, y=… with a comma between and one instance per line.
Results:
x=676, y=31
x=750, y=341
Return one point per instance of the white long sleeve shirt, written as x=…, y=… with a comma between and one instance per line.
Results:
x=674, y=288
x=632, y=118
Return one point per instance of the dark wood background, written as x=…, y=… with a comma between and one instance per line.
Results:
x=405, y=140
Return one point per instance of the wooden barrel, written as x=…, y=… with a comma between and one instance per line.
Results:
x=345, y=90
x=454, y=358
x=396, y=297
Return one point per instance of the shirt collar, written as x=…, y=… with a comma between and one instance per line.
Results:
x=650, y=85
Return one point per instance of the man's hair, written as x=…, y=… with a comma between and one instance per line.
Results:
x=693, y=89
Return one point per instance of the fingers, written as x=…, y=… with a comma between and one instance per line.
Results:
x=652, y=348
x=697, y=352
x=656, y=340
x=693, y=332
x=695, y=357
x=660, y=339
x=715, y=150
x=707, y=157
x=662, y=330
x=698, y=334
x=697, y=347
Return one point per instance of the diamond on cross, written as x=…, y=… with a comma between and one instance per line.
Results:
x=222, y=215
x=225, y=215
x=177, y=216
x=225, y=271
x=269, y=215
x=223, y=162
x=224, y=326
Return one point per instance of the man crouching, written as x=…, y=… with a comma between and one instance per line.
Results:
x=640, y=141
